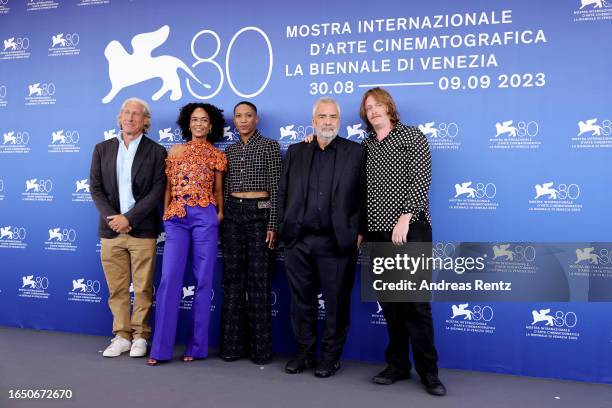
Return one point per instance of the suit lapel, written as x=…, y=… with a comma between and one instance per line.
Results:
x=141, y=153
x=339, y=165
x=306, y=164
x=113, y=165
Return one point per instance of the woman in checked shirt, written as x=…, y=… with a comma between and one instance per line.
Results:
x=248, y=238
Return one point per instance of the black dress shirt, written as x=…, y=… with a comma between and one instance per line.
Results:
x=317, y=214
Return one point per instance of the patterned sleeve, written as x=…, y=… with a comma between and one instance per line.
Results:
x=419, y=158
x=226, y=178
x=274, y=169
x=220, y=161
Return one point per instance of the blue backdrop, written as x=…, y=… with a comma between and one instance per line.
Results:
x=512, y=95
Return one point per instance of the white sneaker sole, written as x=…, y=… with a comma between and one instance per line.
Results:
x=113, y=354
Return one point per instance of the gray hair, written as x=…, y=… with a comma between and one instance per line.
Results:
x=325, y=99
x=146, y=110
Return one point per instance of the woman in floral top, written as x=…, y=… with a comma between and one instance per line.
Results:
x=193, y=209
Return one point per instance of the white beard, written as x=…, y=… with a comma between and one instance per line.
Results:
x=327, y=135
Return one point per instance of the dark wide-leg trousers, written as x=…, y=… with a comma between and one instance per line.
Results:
x=409, y=323
x=246, y=316
x=311, y=263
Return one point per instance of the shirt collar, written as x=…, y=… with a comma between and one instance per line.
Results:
x=134, y=142
x=331, y=145
x=256, y=135
x=372, y=135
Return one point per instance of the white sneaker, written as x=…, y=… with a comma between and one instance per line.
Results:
x=118, y=345
x=139, y=348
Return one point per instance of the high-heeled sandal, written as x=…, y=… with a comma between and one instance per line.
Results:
x=152, y=362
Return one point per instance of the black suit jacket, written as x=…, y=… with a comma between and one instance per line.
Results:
x=347, y=199
x=148, y=186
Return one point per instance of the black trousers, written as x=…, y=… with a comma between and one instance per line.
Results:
x=409, y=323
x=314, y=261
x=246, y=315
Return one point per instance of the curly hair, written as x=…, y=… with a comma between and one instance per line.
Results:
x=214, y=114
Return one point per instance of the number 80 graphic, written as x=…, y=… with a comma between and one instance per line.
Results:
x=211, y=60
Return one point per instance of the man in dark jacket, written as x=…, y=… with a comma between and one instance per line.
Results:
x=321, y=215
x=127, y=184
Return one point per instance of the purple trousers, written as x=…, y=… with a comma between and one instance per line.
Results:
x=198, y=230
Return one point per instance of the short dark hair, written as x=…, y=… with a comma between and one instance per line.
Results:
x=252, y=105
x=215, y=115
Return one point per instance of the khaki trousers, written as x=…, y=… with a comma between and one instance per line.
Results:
x=125, y=257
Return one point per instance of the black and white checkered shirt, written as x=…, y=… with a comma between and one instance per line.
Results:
x=255, y=166
x=398, y=177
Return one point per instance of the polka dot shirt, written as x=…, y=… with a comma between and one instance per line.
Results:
x=398, y=177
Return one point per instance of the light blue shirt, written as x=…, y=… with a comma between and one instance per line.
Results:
x=125, y=158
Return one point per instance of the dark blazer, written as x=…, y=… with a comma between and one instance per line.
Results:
x=348, y=192
x=148, y=186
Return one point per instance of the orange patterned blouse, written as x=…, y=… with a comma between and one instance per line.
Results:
x=191, y=177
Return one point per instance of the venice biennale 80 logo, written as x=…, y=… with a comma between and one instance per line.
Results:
x=15, y=141
x=516, y=134
x=16, y=138
x=65, y=40
x=594, y=132
x=127, y=69
x=40, y=93
x=474, y=195
x=64, y=141
x=37, y=189
x=549, y=324
x=64, y=44
x=292, y=133
x=81, y=193
x=441, y=135
x=15, y=47
x=89, y=286
x=471, y=319
x=560, y=197
x=33, y=286
x=593, y=11
x=355, y=132
x=85, y=290
x=61, y=239
x=13, y=237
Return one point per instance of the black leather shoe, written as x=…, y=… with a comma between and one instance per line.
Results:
x=390, y=375
x=229, y=358
x=327, y=368
x=433, y=385
x=298, y=364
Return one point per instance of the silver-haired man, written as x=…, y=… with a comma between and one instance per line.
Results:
x=127, y=185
